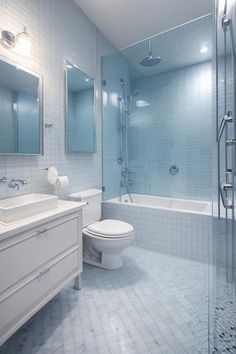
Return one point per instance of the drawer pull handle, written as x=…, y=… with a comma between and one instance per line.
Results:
x=43, y=272
x=39, y=232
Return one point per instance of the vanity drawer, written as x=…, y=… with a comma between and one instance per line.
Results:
x=19, y=304
x=30, y=250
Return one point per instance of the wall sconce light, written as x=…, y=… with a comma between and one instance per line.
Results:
x=20, y=42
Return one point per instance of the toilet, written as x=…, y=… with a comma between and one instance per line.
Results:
x=103, y=241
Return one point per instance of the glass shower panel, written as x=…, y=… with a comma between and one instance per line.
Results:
x=167, y=109
x=116, y=80
x=157, y=141
x=223, y=301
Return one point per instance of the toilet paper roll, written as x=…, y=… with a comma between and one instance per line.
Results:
x=62, y=182
x=52, y=175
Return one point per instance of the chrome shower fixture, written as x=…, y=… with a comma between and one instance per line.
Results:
x=150, y=60
x=19, y=42
x=133, y=94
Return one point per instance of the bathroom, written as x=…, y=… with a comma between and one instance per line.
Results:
x=151, y=154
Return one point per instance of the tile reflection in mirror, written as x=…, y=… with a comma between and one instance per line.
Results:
x=80, y=122
x=20, y=110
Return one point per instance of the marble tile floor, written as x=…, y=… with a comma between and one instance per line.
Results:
x=224, y=314
x=156, y=304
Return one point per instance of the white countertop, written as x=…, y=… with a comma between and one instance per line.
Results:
x=63, y=208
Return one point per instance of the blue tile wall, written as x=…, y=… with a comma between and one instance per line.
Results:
x=84, y=115
x=81, y=134
x=28, y=124
x=175, y=128
x=71, y=122
x=6, y=120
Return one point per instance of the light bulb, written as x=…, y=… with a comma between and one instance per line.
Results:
x=204, y=49
x=23, y=43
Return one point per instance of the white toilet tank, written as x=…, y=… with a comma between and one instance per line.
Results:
x=92, y=211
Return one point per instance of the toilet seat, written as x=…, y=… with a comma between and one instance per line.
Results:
x=110, y=229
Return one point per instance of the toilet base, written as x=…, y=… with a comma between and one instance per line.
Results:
x=109, y=261
x=112, y=261
x=104, y=253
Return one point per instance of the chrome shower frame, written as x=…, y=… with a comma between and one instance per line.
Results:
x=226, y=189
x=223, y=271
x=124, y=111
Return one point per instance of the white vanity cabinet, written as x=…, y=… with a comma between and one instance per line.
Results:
x=38, y=257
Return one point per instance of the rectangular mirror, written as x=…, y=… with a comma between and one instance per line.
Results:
x=80, y=118
x=20, y=111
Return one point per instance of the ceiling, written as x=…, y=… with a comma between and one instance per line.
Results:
x=128, y=21
x=178, y=48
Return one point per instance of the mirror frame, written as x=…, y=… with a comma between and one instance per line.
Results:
x=40, y=96
x=66, y=109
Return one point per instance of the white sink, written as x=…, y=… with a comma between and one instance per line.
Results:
x=24, y=206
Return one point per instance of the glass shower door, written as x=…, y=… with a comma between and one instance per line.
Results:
x=223, y=310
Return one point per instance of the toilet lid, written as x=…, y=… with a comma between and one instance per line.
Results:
x=112, y=228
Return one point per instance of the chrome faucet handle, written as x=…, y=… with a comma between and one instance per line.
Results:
x=16, y=182
x=22, y=181
x=13, y=185
x=3, y=179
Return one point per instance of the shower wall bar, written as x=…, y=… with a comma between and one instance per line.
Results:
x=227, y=129
x=226, y=189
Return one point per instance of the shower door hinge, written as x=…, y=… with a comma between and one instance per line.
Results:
x=225, y=23
x=223, y=192
x=103, y=188
x=230, y=142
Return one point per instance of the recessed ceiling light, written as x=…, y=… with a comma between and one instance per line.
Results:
x=204, y=49
x=87, y=80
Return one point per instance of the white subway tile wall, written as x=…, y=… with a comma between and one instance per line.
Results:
x=59, y=30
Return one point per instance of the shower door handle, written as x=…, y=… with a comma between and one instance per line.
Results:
x=223, y=192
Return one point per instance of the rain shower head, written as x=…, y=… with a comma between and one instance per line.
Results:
x=150, y=60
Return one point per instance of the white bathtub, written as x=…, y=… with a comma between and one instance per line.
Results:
x=175, y=226
x=183, y=205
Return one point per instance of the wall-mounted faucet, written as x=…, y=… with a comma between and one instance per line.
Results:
x=3, y=179
x=16, y=182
